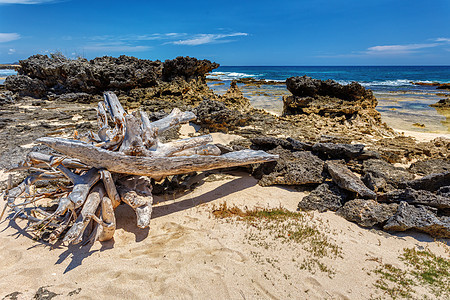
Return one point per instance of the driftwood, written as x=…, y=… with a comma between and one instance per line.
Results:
x=108, y=167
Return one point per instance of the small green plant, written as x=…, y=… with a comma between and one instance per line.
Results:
x=287, y=226
x=423, y=268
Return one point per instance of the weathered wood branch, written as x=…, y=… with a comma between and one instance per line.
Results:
x=118, y=162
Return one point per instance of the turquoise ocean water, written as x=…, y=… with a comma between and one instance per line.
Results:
x=401, y=103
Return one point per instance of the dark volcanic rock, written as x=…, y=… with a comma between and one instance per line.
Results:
x=269, y=143
x=186, y=67
x=292, y=168
x=308, y=87
x=367, y=213
x=418, y=218
x=416, y=197
x=443, y=103
x=74, y=97
x=430, y=166
x=380, y=175
x=25, y=86
x=326, y=97
x=444, y=191
x=39, y=74
x=345, y=179
x=215, y=116
x=339, y=151
x=326, y=196
x=6, y=97
x=431, y=182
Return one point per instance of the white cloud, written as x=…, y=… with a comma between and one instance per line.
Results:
x=8, y=37
x=11, y=51
x=445, y=40
x=398, y=49
x=207, y=38
x=25, y=1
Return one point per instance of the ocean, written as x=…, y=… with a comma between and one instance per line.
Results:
x=401, y=103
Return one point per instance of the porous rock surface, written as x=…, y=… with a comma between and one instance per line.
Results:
x=347, y=180
x=381, y=176
x=419, y=218
x=367, y=213
x=326, y=196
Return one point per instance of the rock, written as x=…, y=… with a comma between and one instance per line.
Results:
x=326, y=196
x=60, y=75
x=75, y=97
x=443, y=103
x=418, y=218
x=321, y=97
x=292, y=168
x=215, y=116
x=187, y=68
x=444, y=191
x=268, y=143
x=339, y=151
x=416, y=197
x=6, y=97
x=430, y=182
x=430, y=166
x=25, y=86
x=381, y=176
x=234, y=98
x=367, y=213
x=347, y=180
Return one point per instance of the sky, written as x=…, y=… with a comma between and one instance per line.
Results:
x=233, y=33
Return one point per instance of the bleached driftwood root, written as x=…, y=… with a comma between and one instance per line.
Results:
x=107, y=167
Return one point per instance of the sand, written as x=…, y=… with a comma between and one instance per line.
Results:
x=189, y=254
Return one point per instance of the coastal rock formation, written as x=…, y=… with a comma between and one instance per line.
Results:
x=234, y=98
x=431, y=182
x=57, y=74
x=417, y=197
x=418, y=218
x=339, y=151
x=351, y=107
x=367, y=213
x=326, y=196
x=215, y=116
x=347, y=180
x=293, y=168
x=381, y=176
x=430, y=166
x=443, y=103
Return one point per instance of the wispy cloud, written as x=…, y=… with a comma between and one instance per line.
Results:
x=406, y=48
x=25, y=1
x=207, y=38
x=8, y=37
x=115, y=47
x=398, y=49
x=11, y=51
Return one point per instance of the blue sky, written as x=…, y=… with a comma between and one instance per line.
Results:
x=319, y=32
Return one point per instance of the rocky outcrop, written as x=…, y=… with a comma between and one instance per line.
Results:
x=327, y=97
x=367, y=213
x=431, y=182
x=326, y=196
x=430, y=166
x=339, y=151
x=215, y=116
x=57, y=74
x=293, y=168
x=347, y=180
x=381, y=176
x=419, y=218
x=416, y=197
x=443, y=103
x=25, y=86
x=234, y=98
